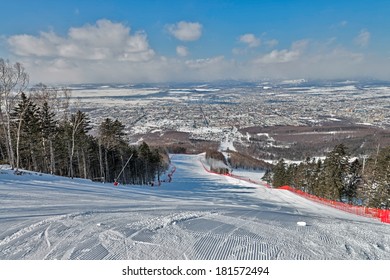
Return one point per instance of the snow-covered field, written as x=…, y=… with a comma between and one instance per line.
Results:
x=197, y=216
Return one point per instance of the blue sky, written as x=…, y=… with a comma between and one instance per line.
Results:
x=172, y=40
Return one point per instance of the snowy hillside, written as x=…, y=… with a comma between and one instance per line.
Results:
x=197, y=216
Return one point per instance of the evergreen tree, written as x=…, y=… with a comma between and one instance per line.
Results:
x=26, y=119
x=336, y=167
x=292, y=177
x=48, y=127
x=79, y=125
x=155, y=163
x=377, y=179
x=318, y=180
x=267, y=176
x=145, y=154
x=33, y=136
x=279, y=174
x=62, y=145
x=354, y=180
x=111, y=143
x=18, y=116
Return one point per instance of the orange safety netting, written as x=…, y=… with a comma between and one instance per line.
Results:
x=382, y=214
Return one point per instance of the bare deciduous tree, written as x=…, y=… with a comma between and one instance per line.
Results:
x=13, y=81
x=58, y=99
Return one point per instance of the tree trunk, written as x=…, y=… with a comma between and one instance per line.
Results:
x=70, y=171
x=45, y=160
x=5, y=136
x=84, y=164
x=52, y=159
x=72, y=149
x=33, y=157
x=17, y=144
x=107, y=169
x=9, y=143
x=101, y=161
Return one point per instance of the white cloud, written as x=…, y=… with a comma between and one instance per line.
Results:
x=281, y=56
x=272, y=43
x=315, y=60
x=284, y=56
x=181, y=51
x=250, y=40
x=204, y=62
x=104, y=40
x=110, y=52
x=27, y=45
x=239, y=51
x=343, y=23
x=185, y=31
x=212, y=68
x=339, y=25
x=363, y=38
x=300, y=45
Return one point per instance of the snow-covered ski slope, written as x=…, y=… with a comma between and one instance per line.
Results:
x=197, y=216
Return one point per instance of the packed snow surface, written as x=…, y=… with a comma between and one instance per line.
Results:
x=198, y=215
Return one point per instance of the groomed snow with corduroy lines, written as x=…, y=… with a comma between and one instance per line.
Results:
x=198, y=215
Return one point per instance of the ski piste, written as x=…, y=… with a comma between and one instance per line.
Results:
x=196, y=216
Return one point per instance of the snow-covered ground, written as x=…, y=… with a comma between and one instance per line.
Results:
x=197, y=216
